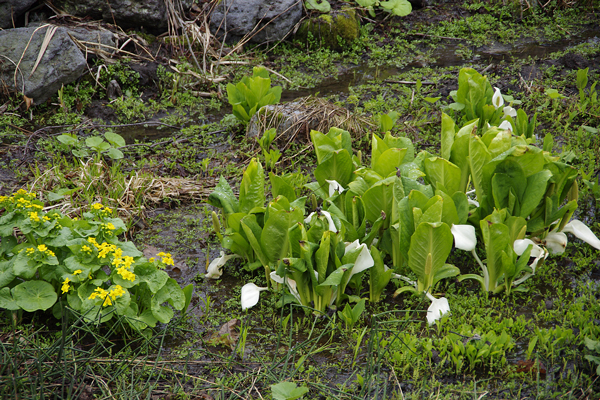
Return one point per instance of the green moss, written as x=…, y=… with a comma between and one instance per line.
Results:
x=331, y=30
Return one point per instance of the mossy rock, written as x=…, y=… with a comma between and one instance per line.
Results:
x=327, y=29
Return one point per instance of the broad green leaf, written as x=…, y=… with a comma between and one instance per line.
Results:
x=322, y=256
x=399, y=142
x=115, y=154
x=6, y=273
x=319, y=5
x=442, y=171
x=115, y=139
x=448, y=132
x=154, y=278
x=274, y=236
x=6, y=300
x=279, y=187
x=496, y=238
x=34, y=295
x=253, y=233
x=430, y=246
x=536, y=187
x=336, y=166
x=223, y=197
x=388, y=161
x=252, y=187
x=379, y=198
x=479, y=156
x=288, y=391
x=335, y=278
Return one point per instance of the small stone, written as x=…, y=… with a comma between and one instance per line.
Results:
x=113, y=91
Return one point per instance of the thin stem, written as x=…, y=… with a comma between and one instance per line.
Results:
x=486, y=275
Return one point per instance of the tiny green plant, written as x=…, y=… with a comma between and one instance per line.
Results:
x=96, y=144
x=251, y=93
x=351, y=315
x=288, y=391
x=83, y=262
x=271, y=155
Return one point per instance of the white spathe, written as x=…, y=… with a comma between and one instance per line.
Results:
x=464, y=237
x=334, y=187
x=437, y=309
x=214, y=269
x=505, y=125
x=556, y=242
x=509, y=112
x=364, y=259
x=327, y=215
x=250, y=295
x=291, y=284
x=497, y=99
x=520, y=245
x=581, y=231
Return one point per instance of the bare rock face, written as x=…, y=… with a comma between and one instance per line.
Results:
x=150, y=14
x=62, y=62
x=12, y=9
x=266, y=20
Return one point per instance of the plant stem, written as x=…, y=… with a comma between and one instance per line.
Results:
x=486, y=275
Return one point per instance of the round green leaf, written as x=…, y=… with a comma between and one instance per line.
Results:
x=34, y=295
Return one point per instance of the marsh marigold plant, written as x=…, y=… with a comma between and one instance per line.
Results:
x=46, y=256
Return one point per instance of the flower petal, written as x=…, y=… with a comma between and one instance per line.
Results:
x=581, y=231
x=291, y=284
x=363, y=261
x=437, y=309
x=464, y=237
x=214, y=269
x=497, y=99
x=556, y=242
x=250, y=295
x=505, y=125
x=334, y=186
x=332, y=227
x=520, y=245
x=509, y=111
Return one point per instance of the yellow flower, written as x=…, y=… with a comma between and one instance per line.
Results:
x=21, y=191
x=102, y=294
x=46, y=218
x=97, y=206
x=65, y=285
x=152, y=259
x=166, y=258
x=77, y=272
x=86, y=249
x=126, y=274
x=117, y=291
x=34, y=216
x=42, y=248
x=110, y=226
x=30, y=251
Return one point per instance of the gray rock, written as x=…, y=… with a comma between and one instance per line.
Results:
x=95, y=39
x=293, y=121
x=266, y=20
x=150, y=14
x=62, y=62
x=12, y=9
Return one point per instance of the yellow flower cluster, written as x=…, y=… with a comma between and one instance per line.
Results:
x=44, y=250
x=103, y=249
x=101, y=208
x=123, y=265
x=21, y=200
x=65, y=286
x=166, y=258
x=108, y=296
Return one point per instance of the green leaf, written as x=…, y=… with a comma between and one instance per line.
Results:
x=223, y=197
x=379, y=198
x=388, y=161
x=400, y=8
x=479, y=156
x=322, y=6
x=448, y=132
x=94, y=142
x=34, y=295
x=6, y=273
x=154, y=278
x=280, y=187
x=114, y=139
x=252, y=187
x=6, y=300
x=115, y=154
x=288, y=391
x=335, y=278
x=67, y=139
x=430, y=246
x=442, y=171
x=336, y=166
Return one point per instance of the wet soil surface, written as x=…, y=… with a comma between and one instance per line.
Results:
x=184, y=230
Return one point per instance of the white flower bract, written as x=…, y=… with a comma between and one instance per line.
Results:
x=250, y=295
x=464, y=237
